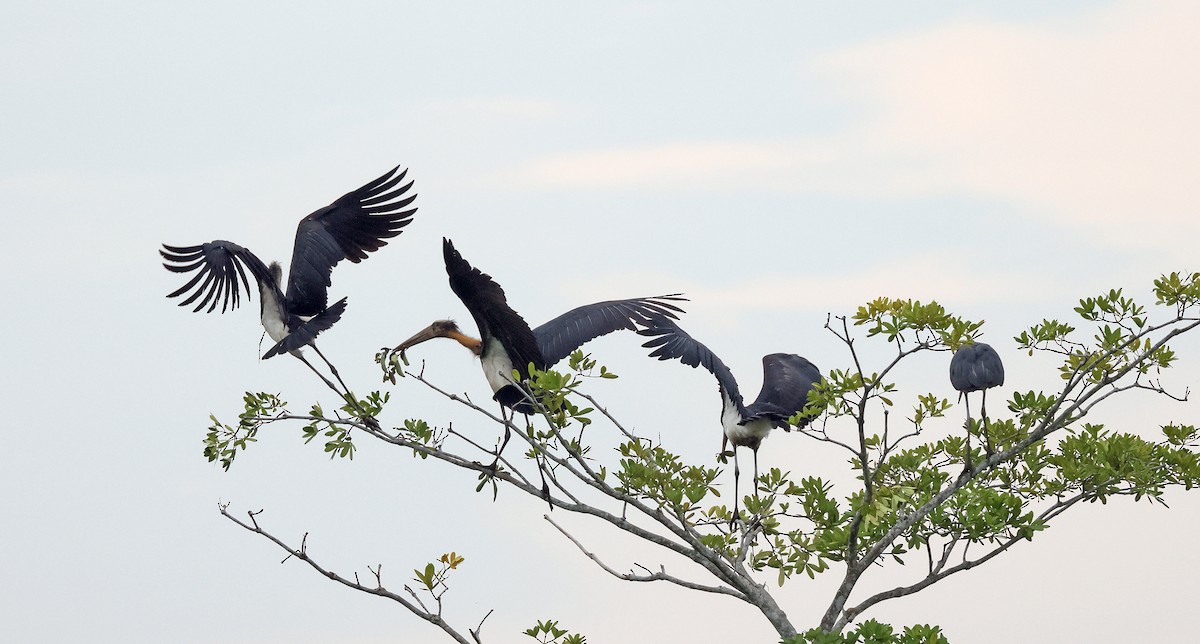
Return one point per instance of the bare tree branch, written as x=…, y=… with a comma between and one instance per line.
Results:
x=302, y=554
x=658, y=576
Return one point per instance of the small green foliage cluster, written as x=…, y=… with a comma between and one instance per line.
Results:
x=553, y=392
x=873, y=632
x=1179, y=290
x=1103, y=464
x=418, y=431
x=1122, y=341
x=584, y=365
x=648, y=471
x=548, y=632
x=806, y=548
x=925, y=323
x=433, y=577
x=223, y=442
x=389, y=362
x=1182, y=435
x=340, y=442
x=368, y=407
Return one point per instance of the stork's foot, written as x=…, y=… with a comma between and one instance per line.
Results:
x=968, y=468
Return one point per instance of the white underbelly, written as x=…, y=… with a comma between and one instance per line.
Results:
x=272, y=316
x=755, y=430
x=497, y=367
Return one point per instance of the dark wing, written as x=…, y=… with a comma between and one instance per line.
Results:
x=571, y=330
x=787, y=378
x=485, y=300
x=349, y=228
x=975, y=367
x=307, y=332
x=218, y=265
x=670, y=342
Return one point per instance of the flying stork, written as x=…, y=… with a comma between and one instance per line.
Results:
x=976, y=367
x=349, y=228
x=787, y=379
x=506, y=342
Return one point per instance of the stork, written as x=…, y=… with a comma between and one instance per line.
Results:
x=349, y=228
x=976, y=367
x=787, y=379
x=506, y=343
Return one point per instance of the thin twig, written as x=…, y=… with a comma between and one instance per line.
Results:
x=302, y=554
x=656, y=576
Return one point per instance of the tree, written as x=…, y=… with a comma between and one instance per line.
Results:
x=941, y=502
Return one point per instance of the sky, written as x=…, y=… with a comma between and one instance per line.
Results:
x=777, y=163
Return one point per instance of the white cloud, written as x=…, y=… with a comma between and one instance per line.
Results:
x=1091, y=122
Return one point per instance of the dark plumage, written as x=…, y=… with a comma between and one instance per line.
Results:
x=976, y=367
x=506, y=342
x=351, y=227
x=787, y=379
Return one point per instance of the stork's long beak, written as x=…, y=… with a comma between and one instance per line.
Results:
x=428, y=333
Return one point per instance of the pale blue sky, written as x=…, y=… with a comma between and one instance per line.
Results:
x=776, y=162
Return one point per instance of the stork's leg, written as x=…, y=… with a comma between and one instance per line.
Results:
x=987, y=437
x=736, y=475
x=541, y=463
x=301, y=358
x=967, y=457
x=348, y=396
x=332, y=369
x=540, y=459
x=755, y=450
x=504, y=418
x=755, y=517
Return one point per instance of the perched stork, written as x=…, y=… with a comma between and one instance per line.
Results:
x=349, y=228
x=787, y=379
x=976, y=367
x=506, y=343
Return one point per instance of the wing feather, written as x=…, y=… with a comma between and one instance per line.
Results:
x=787, y=379
x=306, y=333
x=356, y=224
x=486, y=301
x=670, y=342
x=218, y=266
x=571, y=330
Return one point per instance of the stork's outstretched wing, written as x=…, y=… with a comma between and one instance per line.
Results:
x=306, y=333
x=975, y=367
x=349, y=228
x=218, y=265
x=787, y=378
x=571, y=330
x=485, y=299
x=673, y=342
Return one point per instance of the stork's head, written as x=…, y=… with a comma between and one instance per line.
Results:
x=442, y=329
x=276, y=273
